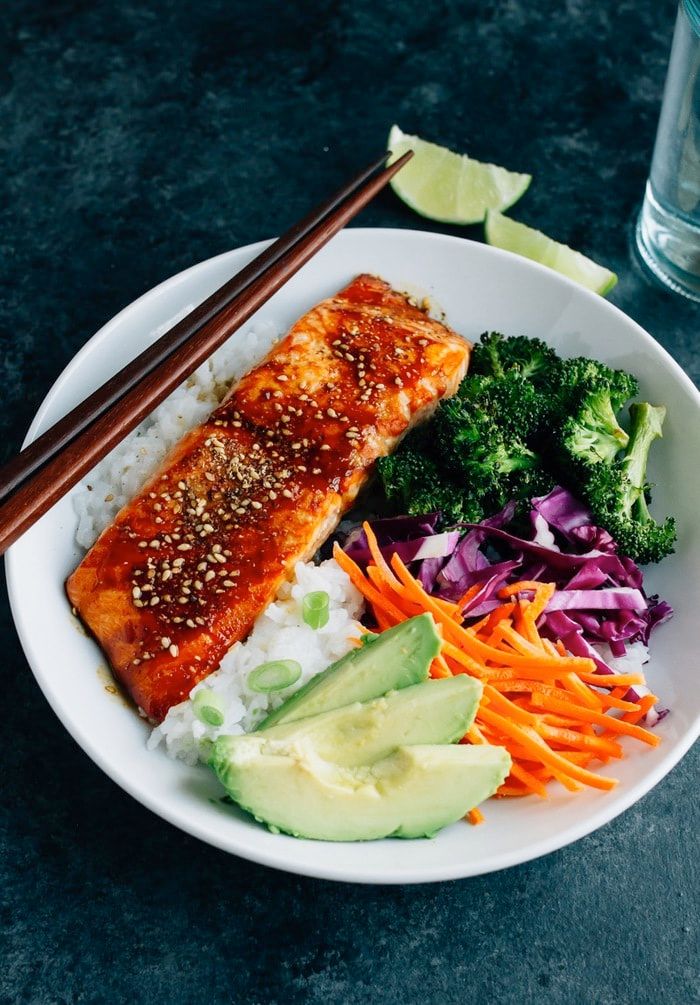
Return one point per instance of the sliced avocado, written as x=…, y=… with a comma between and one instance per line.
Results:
x=412, y=793
x=398, y=657
x=436, y=711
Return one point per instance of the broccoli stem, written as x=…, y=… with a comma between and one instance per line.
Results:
x=646, y=422
x=610, y=428
x=521, y=461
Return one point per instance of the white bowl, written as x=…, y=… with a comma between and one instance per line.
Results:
x=479, y=288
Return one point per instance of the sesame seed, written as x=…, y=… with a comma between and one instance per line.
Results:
x=165, y=642
x=136, y=593
x=220, y=558
x=287, y=494
x=227, y=582
x=155, y=543
x=184, y=547
x=256, y=505
x=316, y=471
x=331, y=412
x=143, y=544
x=174, y=650
x=325, y=446
x=283, y=377
x=209, y=576
x=272, y=494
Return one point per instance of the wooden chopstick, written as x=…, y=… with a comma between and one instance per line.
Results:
x=41, y=490
x=71, y=425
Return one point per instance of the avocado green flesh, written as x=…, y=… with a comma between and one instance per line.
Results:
x=436, y=711
x=397, y=658
x=412, y=793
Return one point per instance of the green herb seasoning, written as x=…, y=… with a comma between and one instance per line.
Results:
x=209, y=707
x=314, y=609
x=274, y=676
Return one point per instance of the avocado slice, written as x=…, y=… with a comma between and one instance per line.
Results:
x=398, y=657
x=436, y=711
x=413, y=792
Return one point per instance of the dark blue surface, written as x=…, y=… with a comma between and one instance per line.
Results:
x=138, y=139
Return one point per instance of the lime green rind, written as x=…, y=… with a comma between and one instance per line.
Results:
x=448, y=187
x=510, y=235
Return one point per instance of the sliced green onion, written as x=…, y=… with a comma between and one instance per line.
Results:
x=314, y=609
x=209, y=707
x=274, y=676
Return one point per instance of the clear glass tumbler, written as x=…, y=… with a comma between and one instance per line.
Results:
x=668, y=228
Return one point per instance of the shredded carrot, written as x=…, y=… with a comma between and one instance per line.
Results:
x=645, y=704
x=600, y=719
x=475, y=816
x=469, y=595
x=612, y=679
x=549, y=709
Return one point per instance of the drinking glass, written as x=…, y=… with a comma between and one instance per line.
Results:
x=668, y=228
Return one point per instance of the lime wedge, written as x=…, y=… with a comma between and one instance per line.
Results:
x=451, y=187
x=513, y=236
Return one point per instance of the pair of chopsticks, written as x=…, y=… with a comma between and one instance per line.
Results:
x=49, y=467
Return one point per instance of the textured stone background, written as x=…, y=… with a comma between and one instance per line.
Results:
x=138, y=139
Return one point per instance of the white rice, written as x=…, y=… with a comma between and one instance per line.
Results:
x=279, y=632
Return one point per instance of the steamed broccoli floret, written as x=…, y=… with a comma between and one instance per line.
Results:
x=592, y=433
x=580, y=376
x=528, y=483
x=617, y=493
x=406, y=471
x=496, y=356
x=413, y=481
x=514, y=403
x=472, y=442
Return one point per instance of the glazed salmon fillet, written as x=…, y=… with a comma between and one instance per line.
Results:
x=189, y=564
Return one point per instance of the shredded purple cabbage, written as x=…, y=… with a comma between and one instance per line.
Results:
x=599, y=597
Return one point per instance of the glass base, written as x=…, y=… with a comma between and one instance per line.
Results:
x=669, y=247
